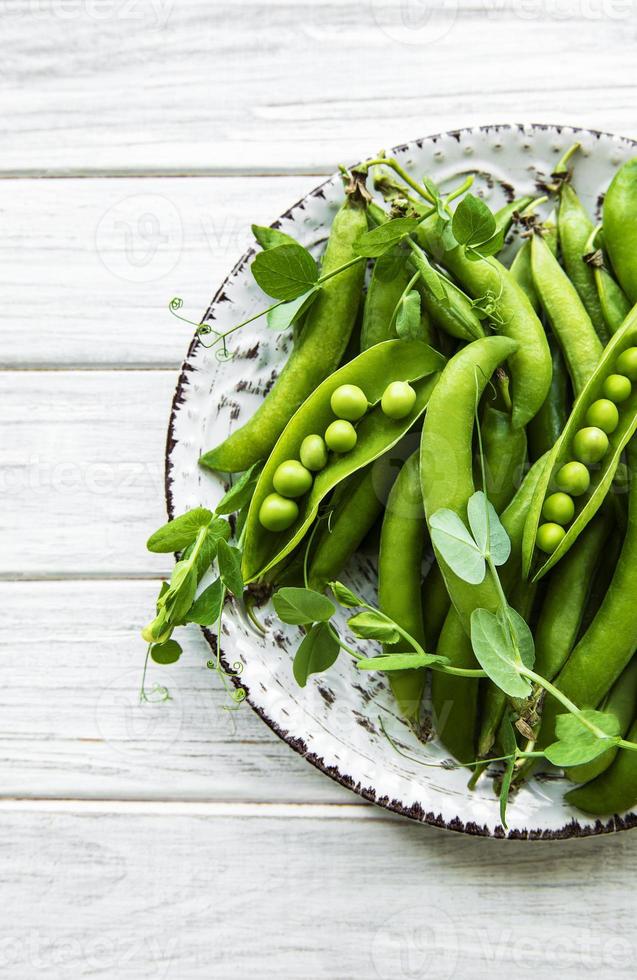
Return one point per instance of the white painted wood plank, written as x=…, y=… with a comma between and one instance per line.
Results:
x=155, y=85
x=81, y=471
x=217, y=892
x=89, y=266
x=72, y=726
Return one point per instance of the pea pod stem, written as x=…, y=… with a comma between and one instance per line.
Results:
x=396, y=167
x=344, y=646
x=219, y=337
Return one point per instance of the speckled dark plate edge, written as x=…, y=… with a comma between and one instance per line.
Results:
x=572, y=829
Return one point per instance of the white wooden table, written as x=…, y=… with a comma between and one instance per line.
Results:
x=139, y=140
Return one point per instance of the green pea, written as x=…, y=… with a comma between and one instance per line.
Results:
x=626, y=363
x=617, y=388
x=549, y=537
x=341, y=436
x=573, y=478
x=398, y=400
x=590, y=445
x=349, y=402
x=559, y=508
x=313, y=453
x=292, y=479
x=277, y=513
x=604, y=415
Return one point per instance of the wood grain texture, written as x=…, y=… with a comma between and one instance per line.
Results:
x=82, y=471
x=176, y=839
x=72, y=725
x=160, y=86
x=89, y=266
x=200, y=890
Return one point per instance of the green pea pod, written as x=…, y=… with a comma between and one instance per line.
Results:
x=513, y=519
x=505, y=215
x=399, y=577
x=373, y=370
x=389, y=279
x=620, y=702
x=620, y=227
x=493, y=700
x=357, y=509
x=562, y=452
x=521, y=265
x=449, y=308
x=435, y=604
x=545, y=428
x=610, y=641
x=574, y=229
x=571, y=323
x=603, y=577
x=455, y=699
x=615, y=791
x=566, y=598
x=613, y=300
x=515, y=318
x=504, y=456
x=318, y=350
x=446, y=459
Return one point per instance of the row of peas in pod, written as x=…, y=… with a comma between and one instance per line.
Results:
x=589, y=445
x=293, y=478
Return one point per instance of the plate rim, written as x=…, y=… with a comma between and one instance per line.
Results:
x=572, y=830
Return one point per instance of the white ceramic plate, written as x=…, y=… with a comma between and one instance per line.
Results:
x=334, y=721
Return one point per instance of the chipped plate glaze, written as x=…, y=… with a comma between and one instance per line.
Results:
x=334, y=721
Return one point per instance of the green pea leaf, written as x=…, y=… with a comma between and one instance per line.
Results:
x=509, y=747
x=408, y=325
x=285, y=271
x=344, y=596
x=166, y=653
x=317, y=652
x=240, y=492
x=522, y=637
x=491, y=247
x=577, y=745
x=271, y=237
x=472, y=221
x=457, y=547
x=434, y=281
x=385, y=237
x=374, y=626
x=390, y=264
x=489, y=534
x=282, y=317
x=298, y=607
x=229, y=560
x=400, y=661
x=431, y=187
x=206, y=609
x=217, y=529
x=496, y=653
x=447, y=238
x=178, y=597
x=160, y=629
x=180, y=532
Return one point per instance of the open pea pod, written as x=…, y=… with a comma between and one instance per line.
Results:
x=373, y=370
x=601, y=477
